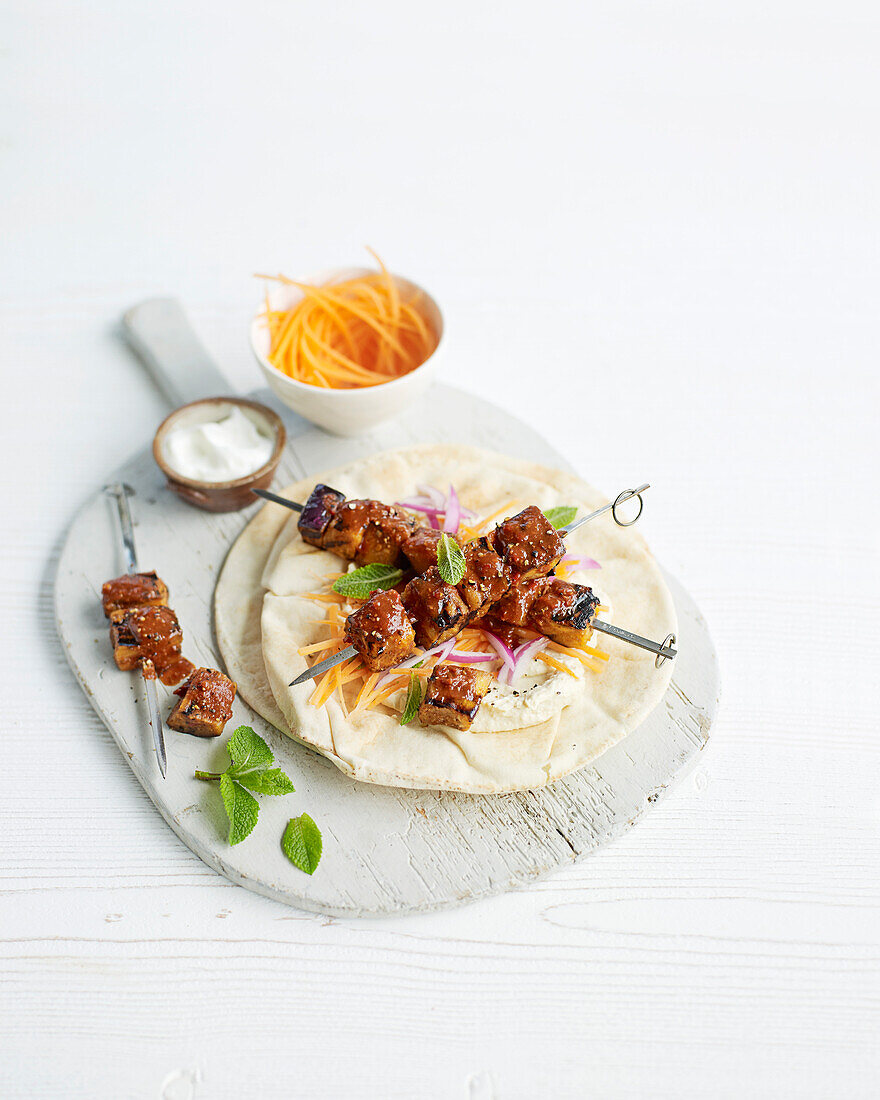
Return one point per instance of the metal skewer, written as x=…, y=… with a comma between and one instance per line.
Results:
x=664, y=651
x=266, y=495
x=611, y=506
x=324, y=666
x=121, y=493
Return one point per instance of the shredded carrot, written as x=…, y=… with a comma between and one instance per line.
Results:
x=339, y=691
x=583, y=655
x=316, y=647
x=493, y=515
x=332, y=680
x=364, y=694
x=324, y=690
x=360, y=332
x=548, y=660
x=382, y=696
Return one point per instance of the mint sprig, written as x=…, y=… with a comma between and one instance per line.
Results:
x=249, y=771
x=302, y=843
x=450, y=559
x=360, y=583
x=413, y=700
x=561, y=516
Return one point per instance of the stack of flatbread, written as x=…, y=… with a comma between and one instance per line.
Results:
x=526, y=735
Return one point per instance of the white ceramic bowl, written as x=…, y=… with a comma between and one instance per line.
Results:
x=345, y=412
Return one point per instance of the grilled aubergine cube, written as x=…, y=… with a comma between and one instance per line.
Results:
x=317, y=512
x=385, y=536
x=381, y=631
x=347, y=526
x=486, y=577
x=529, y=544
x=205, y=704
x=435, y=608
x=134, y=590
x=126, y=650
x=141, y=633
x=421, y=548
x=558, y=609
x=564, y=612
x=453, y=696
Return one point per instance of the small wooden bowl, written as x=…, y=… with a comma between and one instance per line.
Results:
x=220, y=496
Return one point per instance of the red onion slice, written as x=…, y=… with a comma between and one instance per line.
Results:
x=419, y=505
x=435, y=497
x=464, y=658
x=523, y=654
x=439, y=651
x=580, y=563
x=452, y=520
x=501, y=648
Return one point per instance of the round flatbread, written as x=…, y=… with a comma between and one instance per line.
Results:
x=521, y=739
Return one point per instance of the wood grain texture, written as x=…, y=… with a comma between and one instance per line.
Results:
x=385, y=850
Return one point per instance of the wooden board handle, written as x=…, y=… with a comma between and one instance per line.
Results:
x=159, y=331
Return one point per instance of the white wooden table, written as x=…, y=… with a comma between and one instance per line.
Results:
x=655, y=227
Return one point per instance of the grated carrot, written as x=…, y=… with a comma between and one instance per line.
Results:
x=548, y=660
x=324, y=689
x=493, y=515
x=583, y=655
x=339, y=691
x=316, y=647
x=359, y=332
x=364, y=694
x=384, y=695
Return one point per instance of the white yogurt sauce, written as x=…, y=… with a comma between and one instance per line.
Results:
x=219, y=450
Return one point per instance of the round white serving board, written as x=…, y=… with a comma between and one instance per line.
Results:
x=386, y=850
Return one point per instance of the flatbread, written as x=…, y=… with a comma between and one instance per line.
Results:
x=262, y=618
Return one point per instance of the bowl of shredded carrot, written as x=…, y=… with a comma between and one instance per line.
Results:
x=348, y=349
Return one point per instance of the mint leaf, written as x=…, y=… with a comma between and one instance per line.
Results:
x=413, y=700
x=450, y=559
x=242, y=809
x=251, y=757
x=360, y=583
x=302, y=844
x=561, y=516
x=248, y=750
x=270, y=781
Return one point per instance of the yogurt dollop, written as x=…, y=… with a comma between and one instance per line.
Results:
x=218, y=450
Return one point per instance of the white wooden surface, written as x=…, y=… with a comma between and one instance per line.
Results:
x=671, y=210
x=385, y=851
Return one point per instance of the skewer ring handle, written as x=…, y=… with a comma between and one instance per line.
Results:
x=660, y=658
x=621, y=498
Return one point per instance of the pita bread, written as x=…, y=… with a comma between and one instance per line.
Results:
x=518, y=741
